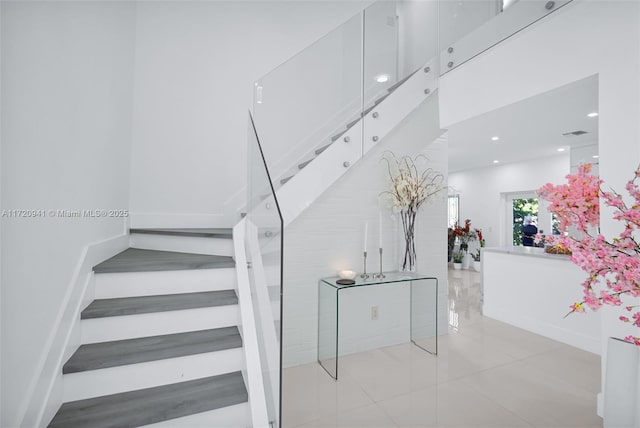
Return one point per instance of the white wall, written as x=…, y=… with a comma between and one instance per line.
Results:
x=580, y=40
x=195, y=66
x=66, y=129
x=328, y=237
x=482, y=191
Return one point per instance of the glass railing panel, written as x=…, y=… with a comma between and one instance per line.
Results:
x=302, y=105
x=380, y=71
x=380, y=56
x=264, y=247
x=417, y=34
x=468, y=28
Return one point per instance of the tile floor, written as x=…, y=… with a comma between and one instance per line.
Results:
x=487, y=374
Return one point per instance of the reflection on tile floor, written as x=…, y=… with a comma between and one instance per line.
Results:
x=487, y=374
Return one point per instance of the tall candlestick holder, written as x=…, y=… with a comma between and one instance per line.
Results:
x=380, y=275
x=365, y=275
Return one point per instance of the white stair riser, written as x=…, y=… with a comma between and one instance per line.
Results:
x=129, y=284
x=182, y=244
x=113, y=380
x=238, y=416
x=107, y=329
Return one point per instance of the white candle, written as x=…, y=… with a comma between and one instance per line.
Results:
x=366, y=232
x=380, y=225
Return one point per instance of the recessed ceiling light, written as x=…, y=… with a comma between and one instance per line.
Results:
x=382, y=78
x=594, y=114
x=595, y=156
x=496, y=161
x=495, y=138
x=561, y=149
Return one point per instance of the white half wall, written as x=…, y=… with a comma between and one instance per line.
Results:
x=503, y=283
x=328, y=237
x=66, y=140
x=582, y=39
x=482, y=190
x=195, y=67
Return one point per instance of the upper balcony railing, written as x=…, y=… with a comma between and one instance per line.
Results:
x=468, y=28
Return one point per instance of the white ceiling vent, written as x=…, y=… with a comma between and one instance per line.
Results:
x=574, y=133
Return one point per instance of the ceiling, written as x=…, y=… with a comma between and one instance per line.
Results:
x=529, y=129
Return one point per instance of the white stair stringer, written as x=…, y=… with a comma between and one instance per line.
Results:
x=107, y=329
x=299, y=192
x=130, y=377
x=129, y=284
x=182, y=244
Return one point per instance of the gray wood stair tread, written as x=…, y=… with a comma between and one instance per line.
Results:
x=131, y=351
x=305, y=163
x=353, y=122
x=381, y=99
x=322, y=149
x=224, y=233
x=148, y=304
x=139, y=260
x=401, y=81
x=284, y=180
x=340, y=134
x=151, y=405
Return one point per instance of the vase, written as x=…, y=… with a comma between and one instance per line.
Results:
x=457, y=266
x=622, y=385
x=466, y=261
x=477, y=265
x=408, y=255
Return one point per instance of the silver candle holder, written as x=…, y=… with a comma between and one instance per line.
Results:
x=380, y=275
x=365, y=275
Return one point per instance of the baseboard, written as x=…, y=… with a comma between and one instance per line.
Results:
x=168, y=220
x=45, y=391
x=600, y=404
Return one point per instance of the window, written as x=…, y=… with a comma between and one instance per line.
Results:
x=453, y=210
x=555, y=224
x=523, y=207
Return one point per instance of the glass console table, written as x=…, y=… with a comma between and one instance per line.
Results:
x=423, y=307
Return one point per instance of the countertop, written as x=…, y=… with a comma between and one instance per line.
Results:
x=526, y=251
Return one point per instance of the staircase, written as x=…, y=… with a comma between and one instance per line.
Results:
x=160, y=341
x=330, y=159
x=324, y=145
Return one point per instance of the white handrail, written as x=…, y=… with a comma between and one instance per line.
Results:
x=267, y=318
x=257, y=400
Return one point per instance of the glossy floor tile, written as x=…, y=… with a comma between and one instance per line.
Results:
x=487, y=374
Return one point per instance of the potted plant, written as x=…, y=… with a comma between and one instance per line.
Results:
x=410, y=188
x=465, y=235
x=476, y=260
x=458, y=256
